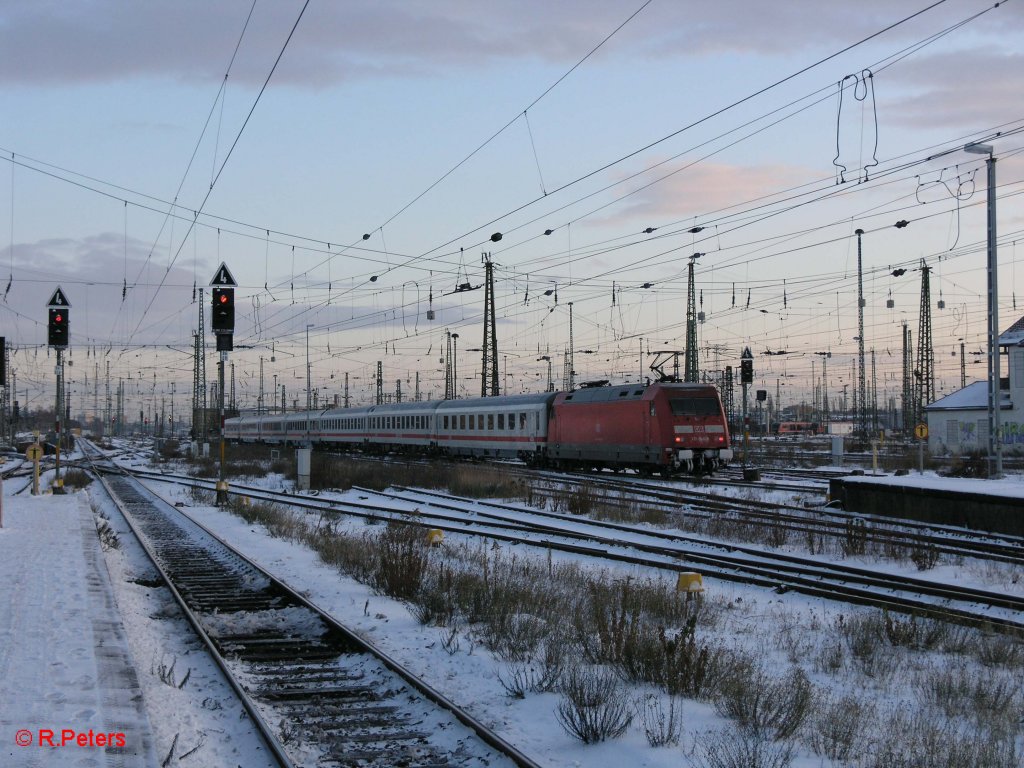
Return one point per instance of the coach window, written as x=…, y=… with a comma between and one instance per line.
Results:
x=445, y=422
x=501, y=421
x=472, y=421
x=462, y=421
x=522, y=422
x=490, y=421
x=511, y=421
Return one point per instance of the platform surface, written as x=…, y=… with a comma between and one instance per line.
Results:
x=69, y=693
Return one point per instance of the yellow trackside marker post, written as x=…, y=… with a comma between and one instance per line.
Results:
x=34, y=453
x=434, y=537
x=689, y=582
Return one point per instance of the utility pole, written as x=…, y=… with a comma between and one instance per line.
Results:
x=346, y=387
x=489, y=377
x=690, y=368
x=416, y=394
x=995, y=438
x=908, y=393
x=259, y=400
x=448, y=389
x=380, y=383
x=925, y=370
x=455, y=366
x=874, y=396
x=963, y=366
x=570, y=369
x=862, y=410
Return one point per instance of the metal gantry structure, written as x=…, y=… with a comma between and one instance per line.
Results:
x=569, y=365
x=489, y=384
x=925, y=370
x=862, y=406
x=690, y=368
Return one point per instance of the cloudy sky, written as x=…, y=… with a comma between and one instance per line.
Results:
x=362, y=184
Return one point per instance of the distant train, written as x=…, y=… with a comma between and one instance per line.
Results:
x=662, y=427
x=798, y=428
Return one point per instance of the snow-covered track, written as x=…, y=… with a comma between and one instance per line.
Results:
x=318, y=694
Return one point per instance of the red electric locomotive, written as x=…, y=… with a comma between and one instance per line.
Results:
x=662, y=427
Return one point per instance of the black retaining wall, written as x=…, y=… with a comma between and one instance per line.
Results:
x=980, y=511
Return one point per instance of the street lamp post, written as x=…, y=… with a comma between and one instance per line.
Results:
x=995, y=448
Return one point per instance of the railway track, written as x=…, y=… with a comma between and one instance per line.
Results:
x=318, y=694
x=664, y=550
x=819, y=521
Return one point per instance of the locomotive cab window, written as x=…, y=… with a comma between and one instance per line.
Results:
x=694, y=406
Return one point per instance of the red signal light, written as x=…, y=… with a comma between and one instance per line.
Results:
x=58, y=318
x=223, y=298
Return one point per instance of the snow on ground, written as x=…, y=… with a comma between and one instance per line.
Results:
x=49, y=651
x=69, y=693
x=1011, y=486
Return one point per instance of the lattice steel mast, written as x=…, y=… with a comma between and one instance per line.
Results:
x=690, y=372
x=925, y=371
x=862, y=403
x=489, y=377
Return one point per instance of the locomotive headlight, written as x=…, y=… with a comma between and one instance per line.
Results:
x=679, y=439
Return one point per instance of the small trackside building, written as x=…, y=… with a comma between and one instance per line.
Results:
x=958, y=423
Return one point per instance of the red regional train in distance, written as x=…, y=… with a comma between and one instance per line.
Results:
x=662, y=427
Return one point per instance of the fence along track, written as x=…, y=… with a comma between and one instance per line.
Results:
x=319, y=695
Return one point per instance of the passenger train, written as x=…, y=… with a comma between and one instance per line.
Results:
x=661, y=427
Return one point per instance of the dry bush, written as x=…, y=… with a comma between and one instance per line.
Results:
x=624, y=625
x=775, y=708
x=593, y=707
x=993, y=699
x=355, y=556
x=581, y=501
x=76, y=478
x=403, y=555
x=741, y=749
x=204, y=467
x=344, y=472
x=918, y=740
x=484, y=483
x=864, y=636
x=663, y=725
x=542, y=674
x=994, y=650
x=914, y=632
x=836, y=729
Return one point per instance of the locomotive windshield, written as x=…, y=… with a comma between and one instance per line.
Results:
x=694, y=406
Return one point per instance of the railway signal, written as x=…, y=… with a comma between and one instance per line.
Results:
x=57, y=336
x=57, y=328
x=223, y=324
x=223, y=310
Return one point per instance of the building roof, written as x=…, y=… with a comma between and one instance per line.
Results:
x=973, y=397
x=1012, y=335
